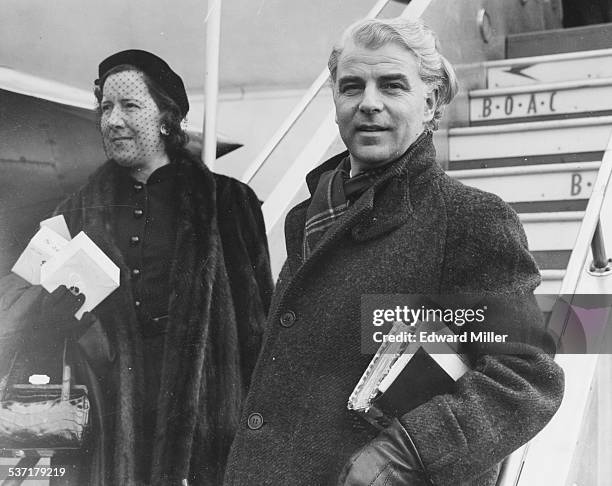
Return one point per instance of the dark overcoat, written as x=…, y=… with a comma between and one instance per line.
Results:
x=220, y=285
x=415, y=231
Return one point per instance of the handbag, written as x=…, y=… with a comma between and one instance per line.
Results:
x=43, y=418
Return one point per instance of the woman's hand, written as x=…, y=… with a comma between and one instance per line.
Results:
x=390, y=459
x=57, y=313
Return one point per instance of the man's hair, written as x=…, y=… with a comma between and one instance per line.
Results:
x=434, y=70
x=170, y=112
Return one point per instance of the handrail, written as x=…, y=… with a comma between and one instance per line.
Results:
x=297, y=111
x=211, y=83
x=287, y=187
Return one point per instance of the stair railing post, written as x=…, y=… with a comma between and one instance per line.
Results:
x=601, y=265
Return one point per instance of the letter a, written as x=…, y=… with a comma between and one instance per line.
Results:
x=532, y=104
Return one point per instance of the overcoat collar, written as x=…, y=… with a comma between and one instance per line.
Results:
x=383, y=207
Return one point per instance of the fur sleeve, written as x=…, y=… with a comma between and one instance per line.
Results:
x=19, y=305
x=248, y=262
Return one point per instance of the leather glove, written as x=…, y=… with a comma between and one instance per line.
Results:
x=390, y=459
x=57, y=313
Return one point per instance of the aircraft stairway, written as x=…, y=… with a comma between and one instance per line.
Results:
x=538, y=133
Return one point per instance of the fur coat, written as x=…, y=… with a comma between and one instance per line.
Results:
x=221, y=286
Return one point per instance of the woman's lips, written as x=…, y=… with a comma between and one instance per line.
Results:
x=120, y=139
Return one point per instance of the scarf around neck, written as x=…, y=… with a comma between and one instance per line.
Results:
x=335, y=192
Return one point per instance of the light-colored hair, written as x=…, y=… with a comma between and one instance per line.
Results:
x=435, y=71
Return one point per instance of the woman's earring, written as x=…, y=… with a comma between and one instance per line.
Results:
x=164, y=130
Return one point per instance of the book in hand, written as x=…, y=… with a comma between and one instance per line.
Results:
x=83, y=266
x=402, y=376
x=52, y=236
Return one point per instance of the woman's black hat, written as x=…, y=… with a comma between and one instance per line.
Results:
x=154, y=67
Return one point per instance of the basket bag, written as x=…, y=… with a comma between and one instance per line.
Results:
x=43, y=417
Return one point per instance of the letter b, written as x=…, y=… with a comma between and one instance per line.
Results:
x=486, y=107
x=576, y=184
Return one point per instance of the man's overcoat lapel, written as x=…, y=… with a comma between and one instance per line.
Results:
x=380, y=209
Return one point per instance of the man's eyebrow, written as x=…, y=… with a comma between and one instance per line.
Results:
x=395, y=77
x=350, y=79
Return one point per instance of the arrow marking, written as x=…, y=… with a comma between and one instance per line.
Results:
x=518, y=70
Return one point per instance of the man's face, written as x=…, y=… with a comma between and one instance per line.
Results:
x=381, y=103
x=130, y=121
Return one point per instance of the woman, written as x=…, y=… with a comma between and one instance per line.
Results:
x=169, y=356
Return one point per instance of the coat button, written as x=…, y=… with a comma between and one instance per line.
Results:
x=135, y=272
x=287, y=319
x=137, y=303
x=255, y=421
x=134, y=240
x=138, y=213
x=138, y=186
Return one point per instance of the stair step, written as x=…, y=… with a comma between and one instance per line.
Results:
x=541, y=102
x=544, y=142
x=547, y=302
x=556, y=183
x=559, y=40
x=564, y=205
x=551, y=231
x=572, y=66
x=551, y=282
x=552, y=259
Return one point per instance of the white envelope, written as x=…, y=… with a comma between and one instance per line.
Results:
x=57, y=224
x=43, y=246
x=81, y=264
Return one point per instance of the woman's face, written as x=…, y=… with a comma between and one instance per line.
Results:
x=130, y=121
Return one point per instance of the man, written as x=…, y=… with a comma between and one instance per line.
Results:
x=385, y=219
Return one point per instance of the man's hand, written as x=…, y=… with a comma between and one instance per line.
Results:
x=390, y=459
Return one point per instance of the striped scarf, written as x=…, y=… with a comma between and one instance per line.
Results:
x=335, y=192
